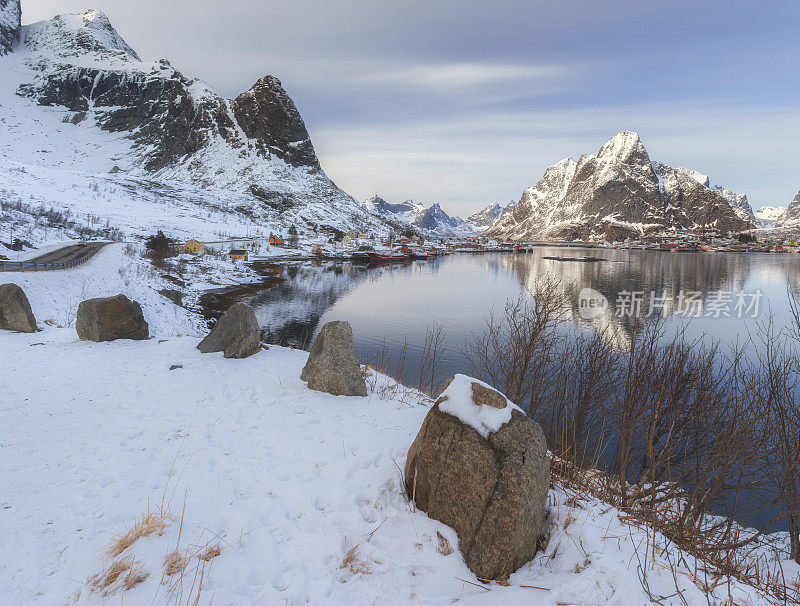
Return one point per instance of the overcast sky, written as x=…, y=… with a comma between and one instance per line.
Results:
x=467, y=102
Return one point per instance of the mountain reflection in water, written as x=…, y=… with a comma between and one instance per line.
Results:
x=393, y=306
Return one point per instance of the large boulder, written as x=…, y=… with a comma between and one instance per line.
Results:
x=111, y=318
x=15, y=309
x=480, y=465
x=332, y=366
x=236, y=333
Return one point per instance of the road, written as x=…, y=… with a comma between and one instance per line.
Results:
x=71, y=255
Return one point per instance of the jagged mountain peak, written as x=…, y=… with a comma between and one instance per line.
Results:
x=618, y=193
x=485, y=218
x=701, y=178
x=10, y=22
x=791, y=218
x=626, y=147
x=79, y=36
x=75, y=94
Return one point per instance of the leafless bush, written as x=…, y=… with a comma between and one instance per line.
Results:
x=690, y=437
x=516, y=352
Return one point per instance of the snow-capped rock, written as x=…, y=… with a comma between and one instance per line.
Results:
x=10, y=21
x=435, y=220
x=768, y=216
x=485, y=218
x=76, y=96
x=405, y=212
x=739, y=203
x=431, y=221
x=791, y=218
x=616, y=193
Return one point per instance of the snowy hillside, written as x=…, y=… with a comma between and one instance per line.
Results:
x=431, y=220
x=791, y=218
x=619, y=193
x=89, y=127
x=768, y=216
x=485, y=218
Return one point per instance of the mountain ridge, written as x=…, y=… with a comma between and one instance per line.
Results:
x=76, y=96
x=615, y=194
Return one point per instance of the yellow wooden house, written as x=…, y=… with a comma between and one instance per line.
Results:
x=276, y=240
x=194, y=247
x=238, y=254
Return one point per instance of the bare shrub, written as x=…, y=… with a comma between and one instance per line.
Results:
x=516, y=352
x=689, y=437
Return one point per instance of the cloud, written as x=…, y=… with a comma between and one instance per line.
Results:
x=469, y=160
x=448, y=77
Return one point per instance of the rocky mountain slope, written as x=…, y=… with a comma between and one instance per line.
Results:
x=618, y=193
x=791, y=217
x=739, y=202
x=431, y=221
x=485, y=218
x=10, y=16
x=77, y=98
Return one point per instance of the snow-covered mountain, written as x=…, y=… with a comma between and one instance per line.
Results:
x=83, y=114
x=768, y=216
x=431, y=220
x=791, y=217
x=614, y=194
x=403, y=212
x=739, y=203
x=485, y=218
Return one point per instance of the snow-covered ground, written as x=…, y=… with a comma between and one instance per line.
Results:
x=55, y=295
x=300, y=491
x=286, y=481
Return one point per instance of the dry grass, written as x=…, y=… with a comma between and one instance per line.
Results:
x=133, y=578
x=444, y=546
x=106, y=581
x=209, y=554
x=152, y=523
x=354, y=563
x=175, y=563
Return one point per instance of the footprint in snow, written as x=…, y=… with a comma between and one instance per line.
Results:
x=283, y=579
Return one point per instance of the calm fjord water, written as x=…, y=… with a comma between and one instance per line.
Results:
x=391, y=306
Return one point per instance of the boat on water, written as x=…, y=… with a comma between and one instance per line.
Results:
x=361, y=255
x=575, y=259
x=387, y=256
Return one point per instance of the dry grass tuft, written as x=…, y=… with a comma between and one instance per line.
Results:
x=133, y=578
x=175, y=563
x=105, y=581
x=152, y=523
x=444, y=545
x=210, y=553
x=354, y=563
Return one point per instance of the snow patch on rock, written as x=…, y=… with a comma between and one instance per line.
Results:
x=456, y=400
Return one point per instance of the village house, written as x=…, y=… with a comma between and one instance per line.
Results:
x=194, y=247
x=275, y=240
x=238, y=254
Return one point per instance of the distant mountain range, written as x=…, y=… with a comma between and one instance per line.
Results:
x=431, y=220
